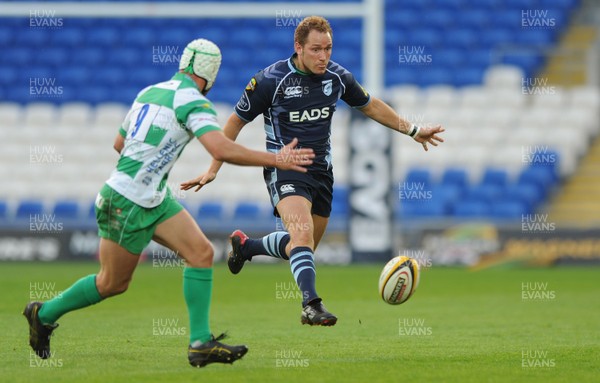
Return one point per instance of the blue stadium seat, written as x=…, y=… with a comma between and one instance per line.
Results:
x=91, y=211
x=66, y=209
x=468, y=76
x=401, y=17
x=539, y=177
x=471, y=209
x=419, y=176
x=493, y=37
x=463, y=38
x=247, y=210
x=424, y=37
x=55, y=56
x=451, y=57
x=70, y=37
x=174, y=36
x=95, y=95
x=538, y=38
x=482, y=57
x=525, y=193
x=139, y=36
x=456, y=177
x=428, y=76
x=401, y=75
x=474, y=18
x=32, y=37
x=484, y=193
x=90, y=57
x=495, y=177
x=19, y=56
x=339, y=203
x=110, y=75
x=456, y=5
x=422, y=209
x=511, y=210
x=3, y=210
x=28, y=208
x=124, y=57
x=103, y=37
x=520, y=4
x=8, y=75
x=211, y=210
x=76, y=76
x=441, y=18
x=6, y=36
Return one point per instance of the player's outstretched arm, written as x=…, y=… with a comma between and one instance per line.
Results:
x=225, y=150
x=385, y=115
x=232, y=129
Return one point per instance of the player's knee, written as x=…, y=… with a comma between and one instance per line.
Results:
x=201, y=256
x=302, y=239
x=112, y=287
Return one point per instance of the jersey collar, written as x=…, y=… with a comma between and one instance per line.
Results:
x=184, y=78
x=294, y=68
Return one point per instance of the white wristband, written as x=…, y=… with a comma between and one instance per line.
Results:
x=414, y=130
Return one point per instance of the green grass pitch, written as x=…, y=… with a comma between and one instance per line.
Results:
x=502, y=325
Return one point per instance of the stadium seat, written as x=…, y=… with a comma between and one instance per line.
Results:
x=28, y=208
x=103, y=37
x=3, y=210
x=211, y=210
x=525, y=193
x=247, y=211
x=511, y=210
x=471, y=209
x=419, y=176
x=66, y=209
x=455, y=177
x=484, y=192
x=495, y=177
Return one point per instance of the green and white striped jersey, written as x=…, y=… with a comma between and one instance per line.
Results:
x=162, y=120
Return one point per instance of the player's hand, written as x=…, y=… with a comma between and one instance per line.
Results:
x=429, y=135
x=200, y=181
x=289, y=158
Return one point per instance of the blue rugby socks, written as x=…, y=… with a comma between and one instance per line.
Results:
x=303, y=268
x=272, y=245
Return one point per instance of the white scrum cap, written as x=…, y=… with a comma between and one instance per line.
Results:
x=202, y=58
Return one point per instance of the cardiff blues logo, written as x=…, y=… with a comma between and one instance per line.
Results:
x=327, y=86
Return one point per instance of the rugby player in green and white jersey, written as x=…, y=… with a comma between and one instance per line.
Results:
x=136, y=206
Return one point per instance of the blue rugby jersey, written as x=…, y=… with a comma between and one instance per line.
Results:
x=296, y=104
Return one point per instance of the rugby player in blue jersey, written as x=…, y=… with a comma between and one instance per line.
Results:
x=297, y=98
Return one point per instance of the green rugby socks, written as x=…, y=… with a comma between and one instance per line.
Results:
x=197, y=291
x=81, y=294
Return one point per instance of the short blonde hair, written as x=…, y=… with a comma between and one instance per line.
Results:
x=309, y=23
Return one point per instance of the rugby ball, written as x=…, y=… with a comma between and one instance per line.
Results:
x=399, y=279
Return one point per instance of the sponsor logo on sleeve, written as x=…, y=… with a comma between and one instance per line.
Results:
x=251, y=85
x=327, y=86
x=244, y=103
